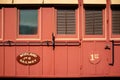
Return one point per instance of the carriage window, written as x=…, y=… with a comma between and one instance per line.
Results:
x=93, y=22
x=116, y=21
x=28, y=19
x=66, y=23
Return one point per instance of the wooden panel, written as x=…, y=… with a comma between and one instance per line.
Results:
x=48, y=61
x=115, y=1
x=5, y=1
x=22, y=70
x=2, y=67
x=9, y=34
x=117, y=58
x=47, y=30
x=47, y=23
x=61, y=61
x=36, y=70
x=102, y=66
x=9, y=61
x=28, y=2
x=115, y=70
x=74, y=61
x=39, y=2
x=10, y=23
x=88, y=49
x=94, y=1
x=1, y=48
x=60, y=1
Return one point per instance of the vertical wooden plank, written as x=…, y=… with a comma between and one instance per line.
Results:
x=115, y=70
x=21, y=70
x=10, y=18
x=73, y=61
x=48, y=61
x=117, y=59
x=1, y=25
x=47, y=30
x=61, y=61
x=102, y=66
x=1, y=48
x=1, y=61
x=36, y=69
x=88, y=49
x=47, y=23
x=9, y=34
x=10, y=61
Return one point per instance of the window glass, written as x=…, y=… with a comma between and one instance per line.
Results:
x=28, y=22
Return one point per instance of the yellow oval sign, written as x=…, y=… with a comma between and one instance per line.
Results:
x=28, y=58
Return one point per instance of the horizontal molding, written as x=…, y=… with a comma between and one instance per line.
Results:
x=87, y=39
x=55, y=1
x=28, y=1
x=5, y=1
x=94, y=1
x=115, y=1
x=60, y=1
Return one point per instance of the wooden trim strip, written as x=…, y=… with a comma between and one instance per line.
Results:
x=6, y=1
x=115, y=1
x=94, y=1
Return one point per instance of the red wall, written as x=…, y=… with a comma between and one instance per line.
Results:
x=64, y=61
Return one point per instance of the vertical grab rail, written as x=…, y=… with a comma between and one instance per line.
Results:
x=53, y=41
x=112, y=53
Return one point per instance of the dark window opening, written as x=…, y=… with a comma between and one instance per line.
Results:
x=93, y=21
x=66, y=22
x=116, y=20
x=28, y=21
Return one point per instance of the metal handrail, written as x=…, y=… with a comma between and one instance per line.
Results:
x=43, y=43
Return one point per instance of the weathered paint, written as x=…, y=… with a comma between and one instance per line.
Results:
x=21, y=70
x=115, y=70
x=5, y=1
x=27, y=2
x=60, y=1
x=48, y=53
x=94, y=1
x=56, y=2
x=9, y=52
x=115, y=1
x=63, y=61
x=1, y=23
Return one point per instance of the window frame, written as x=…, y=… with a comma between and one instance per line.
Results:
x=66, y=37
x=95, y=37
x=34, y=37
x=113, y=36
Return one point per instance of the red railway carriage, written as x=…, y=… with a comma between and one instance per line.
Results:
x=59, y=38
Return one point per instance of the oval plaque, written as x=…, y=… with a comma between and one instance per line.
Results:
x=28, y=58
